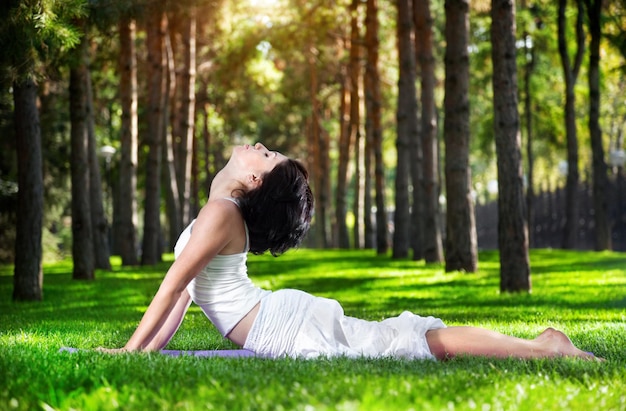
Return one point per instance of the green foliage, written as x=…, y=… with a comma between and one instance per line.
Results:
x=539, y=22
x=36, y=31
x=581, y=293
x=35, y=38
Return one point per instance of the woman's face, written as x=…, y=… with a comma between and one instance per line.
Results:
x=257, y=158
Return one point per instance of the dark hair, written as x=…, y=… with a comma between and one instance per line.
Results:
x=278, y=212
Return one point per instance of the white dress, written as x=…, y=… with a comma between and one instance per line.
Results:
x=296, y=324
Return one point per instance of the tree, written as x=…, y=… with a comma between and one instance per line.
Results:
x=187, y=119
x=99, y=223
x=570, y=73
x=32, y=33
x=529, y=63
x=155, y=42
x=348, y=109
x=512, y=228
x=407, y=129
x=460, y=247
x=170, y=183
x=18, y=36
x=600, y=180
x=354, y=131
x=417, y=219
x=373, y=127
x=28, y=273
x=127, y=68
x=82, y=229
x=318, y=146
x=432, y=242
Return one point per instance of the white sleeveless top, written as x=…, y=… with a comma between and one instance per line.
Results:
x=222, y=289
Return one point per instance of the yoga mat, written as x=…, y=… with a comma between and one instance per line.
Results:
x=210, y=353
x=194, y=353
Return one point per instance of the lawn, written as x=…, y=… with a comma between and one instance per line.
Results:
x=581, y=293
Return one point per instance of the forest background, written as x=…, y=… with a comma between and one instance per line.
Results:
x=116, y=114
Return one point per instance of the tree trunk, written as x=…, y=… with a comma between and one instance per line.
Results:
x=355, y=118
x=82, y=230
x=319, y=151
x=529, y=58
x=206, y=140
x=600, y=178
x=155, y=41
x=461, y=251
x=570, y=229
x=170, y=170
x=407, y=130
x=127, y=64
x=27, y=272
x=359, y=192
x=416, y=170
x=512, y=228
x=187, y=125
x=369, y=232
x=341, y=228
x=318, y=145
x=432, y=242
x=195, y=175
x=324, y=145
x=373, y=126
x=99, y=221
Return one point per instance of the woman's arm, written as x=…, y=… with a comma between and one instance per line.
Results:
x=172, y=323
x=212, y=232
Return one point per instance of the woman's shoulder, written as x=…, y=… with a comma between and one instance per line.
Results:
x=221, y=219
x=220, y=208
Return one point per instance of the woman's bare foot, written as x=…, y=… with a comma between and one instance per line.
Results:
x=557, y=344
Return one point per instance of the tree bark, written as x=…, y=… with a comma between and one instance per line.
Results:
x=319, y=150
x=600, y=178
x=570, y=228
x=432, y=241
x=127, y=66
x=461, y=251
x=373, y=126
x=155, y=41
x=82, y=230
x=341, y=228
x=369, y=228
x=359, y=192
x=355, y=117
x=207, y=140
x=529, y=58
x=99, y=221
x=187, y=125
x=170, y=170
x=27, y=272
x=407, y=130
x=512, y=228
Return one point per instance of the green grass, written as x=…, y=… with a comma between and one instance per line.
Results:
x=582, y=293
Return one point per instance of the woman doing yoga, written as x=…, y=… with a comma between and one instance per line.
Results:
x=261, y=201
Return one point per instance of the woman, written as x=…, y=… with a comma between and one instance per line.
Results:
x=261, y=201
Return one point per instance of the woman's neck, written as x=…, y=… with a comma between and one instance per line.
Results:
x=225, y=185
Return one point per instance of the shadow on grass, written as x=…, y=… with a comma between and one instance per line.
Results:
x=366, y=284
x=118, y=296
x=460, y=299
